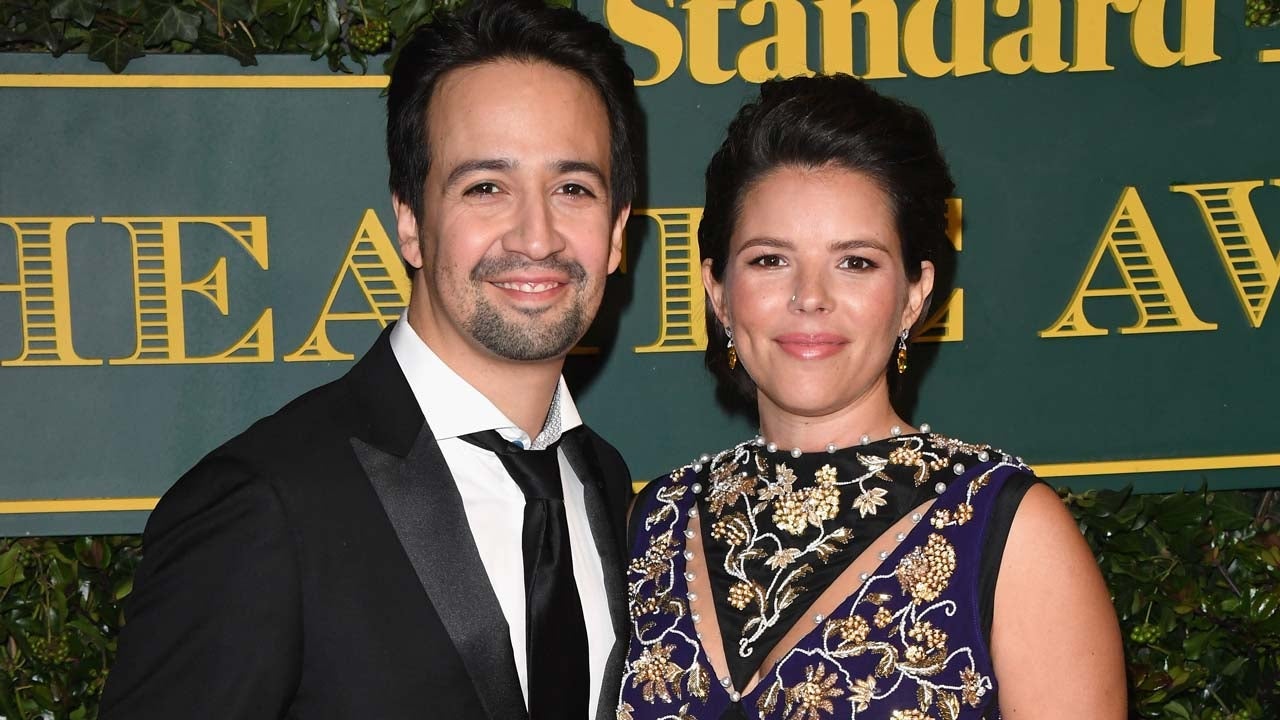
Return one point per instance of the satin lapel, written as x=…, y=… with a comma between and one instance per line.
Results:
x=604, y=528
x=423, y=505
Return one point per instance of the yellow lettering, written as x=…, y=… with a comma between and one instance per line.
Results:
x=880, y=39
x=1091, y=32
x=946, y=324
x=650, y=31
x=44, y=291
x=682, y=319
x=375, y=266
x=1147, y=34
x=1149, y=281
x=1043, y=39
x=703, y=37
x=1242, y=245
x=968, y=39
x=788, y=42
x=160, y=319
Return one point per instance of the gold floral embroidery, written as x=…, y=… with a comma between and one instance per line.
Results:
x=742, y=593
x=796, y=511
x=925, y=572
x=900, y=635
x=731, y=529
x=813, y=696
x=883, y=617
x=867, y=502
x=655, y=671
x=656, y=560
x=729, y=487
x=863, y=692
x=925, y=632
x=971, y=683
x=782, y=558
x=852, y=629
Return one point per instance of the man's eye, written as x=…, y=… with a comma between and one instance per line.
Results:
x=576, y=189
x=484, y=188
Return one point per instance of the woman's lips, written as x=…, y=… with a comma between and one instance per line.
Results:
x=808, y=346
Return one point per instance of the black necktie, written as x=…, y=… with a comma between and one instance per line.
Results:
x=555, y=633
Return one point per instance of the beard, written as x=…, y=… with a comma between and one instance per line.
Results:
x=534, y=335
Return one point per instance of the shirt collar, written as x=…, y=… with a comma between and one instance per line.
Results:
x=452, y=407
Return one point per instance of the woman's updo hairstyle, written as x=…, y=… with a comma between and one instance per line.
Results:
x=825, y=121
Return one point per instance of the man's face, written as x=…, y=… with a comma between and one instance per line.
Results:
x=516, y=237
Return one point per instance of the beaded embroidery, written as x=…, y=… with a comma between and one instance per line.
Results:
x=895, y=625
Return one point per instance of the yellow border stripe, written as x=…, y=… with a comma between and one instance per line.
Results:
x=1121, y=467
x=1272, y=55
x=1047, y=470
x=21, y=507
x=200, y=82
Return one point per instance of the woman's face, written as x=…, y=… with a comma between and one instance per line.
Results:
x=815, y=293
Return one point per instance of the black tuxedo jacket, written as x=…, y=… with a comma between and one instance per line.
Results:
x=320, y=565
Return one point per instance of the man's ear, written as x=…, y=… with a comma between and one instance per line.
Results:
x=617, y=238
x=407, y=233
x=715, y=291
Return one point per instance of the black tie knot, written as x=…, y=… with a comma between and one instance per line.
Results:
x=537, y=472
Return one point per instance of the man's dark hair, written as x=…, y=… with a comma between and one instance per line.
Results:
x=486, y=31
x=825, y=121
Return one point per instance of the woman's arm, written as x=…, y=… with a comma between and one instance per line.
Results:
x=1054, y=637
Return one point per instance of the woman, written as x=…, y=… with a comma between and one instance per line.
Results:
x=843, y=563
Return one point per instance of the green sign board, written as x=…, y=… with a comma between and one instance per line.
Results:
x=185, y=248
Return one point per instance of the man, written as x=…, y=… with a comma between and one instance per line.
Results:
x=370, y=550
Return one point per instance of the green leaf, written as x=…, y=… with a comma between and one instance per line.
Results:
x=330, y=29
x=1233, y=511
x=80, y=12
x=1234, y=666
x=235, y=10
x=114, y=50
x=230, y=46
x=11, y=567
x=124, y=8
x=1176, y=709
x=173, y=24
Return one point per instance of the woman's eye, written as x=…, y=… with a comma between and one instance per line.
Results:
x=769, y=261
x=856, y=263
x=484, y=188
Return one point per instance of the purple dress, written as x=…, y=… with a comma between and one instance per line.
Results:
x=908, y=644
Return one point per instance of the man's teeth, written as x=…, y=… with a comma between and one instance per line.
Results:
x=529, y=287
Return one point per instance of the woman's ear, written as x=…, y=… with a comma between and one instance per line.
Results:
x=715, y=291
x=918, y=295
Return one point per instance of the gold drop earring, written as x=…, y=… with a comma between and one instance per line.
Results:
x=733, y=352
x=902, y=352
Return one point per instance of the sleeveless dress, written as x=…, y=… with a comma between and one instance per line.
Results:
x=777, y=529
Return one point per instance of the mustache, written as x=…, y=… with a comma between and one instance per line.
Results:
x=506, y=263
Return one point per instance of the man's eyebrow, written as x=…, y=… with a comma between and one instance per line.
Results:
x=470, y=166
x=582, y=166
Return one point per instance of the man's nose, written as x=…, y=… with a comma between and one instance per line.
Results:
x=535, y=234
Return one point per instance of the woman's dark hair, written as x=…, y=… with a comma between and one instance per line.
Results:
x=825, y=121
x=486, y=31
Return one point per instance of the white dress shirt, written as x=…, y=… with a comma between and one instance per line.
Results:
x=493, y=502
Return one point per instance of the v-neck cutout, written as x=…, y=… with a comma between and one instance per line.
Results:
x=702, y=604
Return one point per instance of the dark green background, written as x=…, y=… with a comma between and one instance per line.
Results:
x=1040, y=161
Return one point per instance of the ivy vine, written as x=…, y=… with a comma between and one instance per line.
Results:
x=345, y=33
